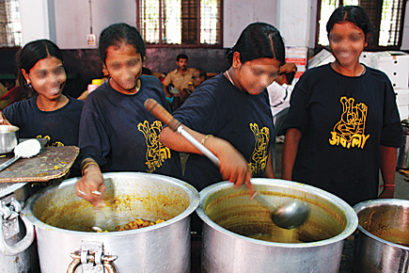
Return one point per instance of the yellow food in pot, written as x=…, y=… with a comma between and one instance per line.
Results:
x=138, y=223
x=135, y=224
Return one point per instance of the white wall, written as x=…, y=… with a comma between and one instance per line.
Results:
x=238, y=14
x=294, y=22
x=73, y=19
x=34, y=20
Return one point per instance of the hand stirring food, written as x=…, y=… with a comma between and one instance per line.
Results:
x=288, y=216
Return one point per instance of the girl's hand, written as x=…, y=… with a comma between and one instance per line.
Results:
x=233, y=166
x=3, y=119
x=91, y=185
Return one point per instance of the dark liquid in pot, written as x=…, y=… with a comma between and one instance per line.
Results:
x=272, y=233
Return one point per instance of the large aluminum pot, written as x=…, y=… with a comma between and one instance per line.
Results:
x=67, y=244
x=17, y=253
x=8, y=138
x=230, y=217
x=382, y=244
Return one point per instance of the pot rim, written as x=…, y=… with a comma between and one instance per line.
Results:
x=351, y=226
x=8, y=128
x=375, y=203
x=190, y=190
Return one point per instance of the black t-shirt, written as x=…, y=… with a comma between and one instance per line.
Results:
x=343, y=122
x=217, y=107
x=60, y=127
x=121, y=135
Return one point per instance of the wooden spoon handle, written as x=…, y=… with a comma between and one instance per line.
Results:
x=162, y=114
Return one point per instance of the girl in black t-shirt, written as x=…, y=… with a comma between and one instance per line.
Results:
x=117, y=133
x=48, y=114
x=230, y=113
x=343, y=124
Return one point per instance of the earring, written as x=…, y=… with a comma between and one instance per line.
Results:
x=29, y=84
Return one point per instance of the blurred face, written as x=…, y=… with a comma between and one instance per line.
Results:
x=255, y=75
x=182, y=64
x=124, y=66
x=347, y=41
x=47, y=77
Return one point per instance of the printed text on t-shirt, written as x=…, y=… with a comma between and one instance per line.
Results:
x=349, y=131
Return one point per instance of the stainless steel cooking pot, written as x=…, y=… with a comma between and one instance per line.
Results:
x=17, y=253
x=382, y=244
x=67, y=244
x=8, y=138
x=234, y=226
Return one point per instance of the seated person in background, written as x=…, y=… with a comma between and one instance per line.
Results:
x=176, y=82
x=48, y=114
x=13, y=93
x=198, y=77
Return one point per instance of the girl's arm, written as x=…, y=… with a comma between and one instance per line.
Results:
x=233, y=166
x=292, y=139
x=388, y=166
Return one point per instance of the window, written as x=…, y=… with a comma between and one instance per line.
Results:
x=386, y=17
x=180, y=22
x=10, y=25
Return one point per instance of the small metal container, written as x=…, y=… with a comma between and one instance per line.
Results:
x=8, y=138
x=382, y=244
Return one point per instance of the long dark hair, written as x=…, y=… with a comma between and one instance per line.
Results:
x=33, y=52
x=119, y=33
x=353, y=14
x=259, y=40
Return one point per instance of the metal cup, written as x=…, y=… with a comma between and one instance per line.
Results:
x=8, y=138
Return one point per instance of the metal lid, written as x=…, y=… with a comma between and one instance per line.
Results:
x=7, y=188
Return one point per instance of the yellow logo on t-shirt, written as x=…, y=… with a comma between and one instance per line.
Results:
x=349, y=132
x=48, y=139
x=156, y=152
x=259, y=156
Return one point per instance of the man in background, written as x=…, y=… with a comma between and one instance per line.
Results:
x=176, y=83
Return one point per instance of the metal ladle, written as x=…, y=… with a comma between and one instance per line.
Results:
x=25, y=149
x=289, y=215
